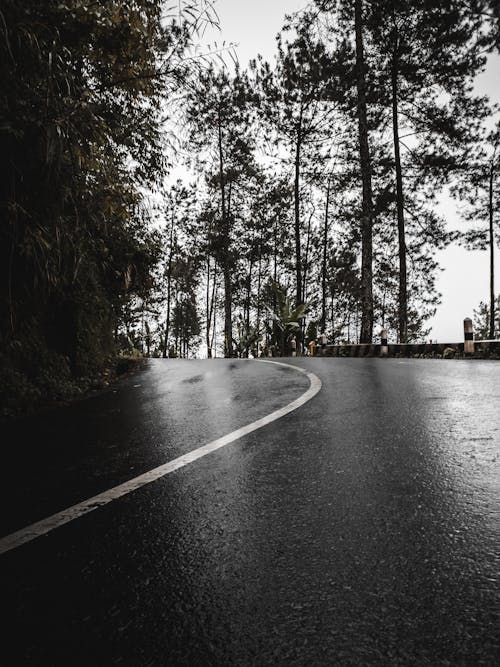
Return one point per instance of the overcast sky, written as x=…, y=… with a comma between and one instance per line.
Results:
x=464, y=282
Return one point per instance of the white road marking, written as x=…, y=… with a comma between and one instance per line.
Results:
x=45, y=526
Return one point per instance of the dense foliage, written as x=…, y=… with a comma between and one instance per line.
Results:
x=81, y=138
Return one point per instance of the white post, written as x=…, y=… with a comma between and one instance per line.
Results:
x=323, y=338
x=384, y=348
x=468, y=336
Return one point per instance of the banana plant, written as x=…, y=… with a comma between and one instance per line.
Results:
x=248, y=337
x=286, y=318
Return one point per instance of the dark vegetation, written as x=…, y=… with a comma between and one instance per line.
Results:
x=315, y=180
x=81, y=121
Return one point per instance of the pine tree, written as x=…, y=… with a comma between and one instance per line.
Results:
x=219, y=117
x=479, y=186
x=296, y=106
x=482, y=320
x=426, y=56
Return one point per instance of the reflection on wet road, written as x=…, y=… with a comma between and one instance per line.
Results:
x=363, y=529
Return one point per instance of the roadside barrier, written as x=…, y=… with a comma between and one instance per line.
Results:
x=386, y=349
x=411, y=349
x=470, y=347
x=468, y=336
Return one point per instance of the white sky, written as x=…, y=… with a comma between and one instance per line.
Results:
x=253, y=25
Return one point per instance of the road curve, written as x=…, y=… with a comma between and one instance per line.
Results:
x=45, y=526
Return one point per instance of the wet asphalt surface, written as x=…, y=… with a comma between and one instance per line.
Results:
x=362, y=529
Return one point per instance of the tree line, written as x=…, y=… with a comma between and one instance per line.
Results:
x=312, y=198
x=318, y=176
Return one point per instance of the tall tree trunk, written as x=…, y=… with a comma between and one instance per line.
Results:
x=209, y=307
x=228, y=326
x=148, y=341
x=228, y=329
x=332, y=318
x=143, y=334
x=492, y=254
x=366, y=333
x=213, y=307
x=323, y=265
x=247, y=301
x=177, y=347
x=306, y=260
x=213, y=340
x=259, y=280
x=296, y=191
x=207, y=311
x=275, y=254
x=403, y=297
x=249, y=293
x=169, y=285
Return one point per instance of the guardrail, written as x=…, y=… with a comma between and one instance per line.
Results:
x=469, y=347
x=410, y=349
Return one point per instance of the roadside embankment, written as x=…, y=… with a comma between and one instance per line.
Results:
x=26, y=390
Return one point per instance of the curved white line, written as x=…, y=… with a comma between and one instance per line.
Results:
x=45, y=526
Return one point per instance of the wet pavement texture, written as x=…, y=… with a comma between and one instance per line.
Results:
x=361, y=529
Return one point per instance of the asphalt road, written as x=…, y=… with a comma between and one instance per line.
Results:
x=361, y=529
